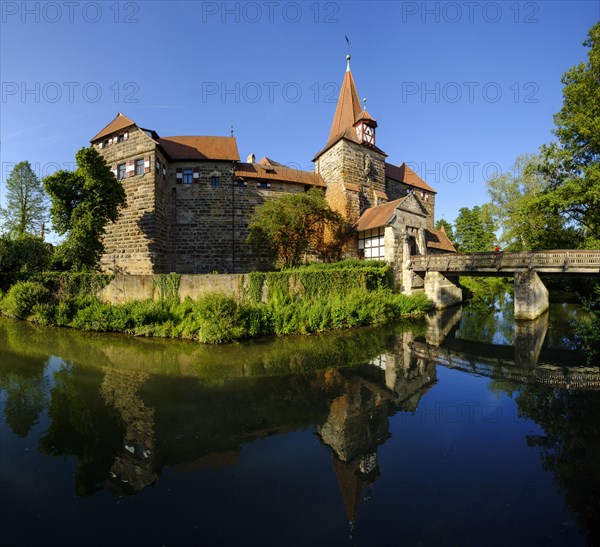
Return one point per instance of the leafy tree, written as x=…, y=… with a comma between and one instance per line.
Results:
x=24, y=254
x=83, y=203
x=474, y=230
x=26, y=202
x=516, y=209
x=285, y=228
x=572, y=165
x=447, y=228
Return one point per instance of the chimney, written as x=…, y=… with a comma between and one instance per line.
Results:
x=251, y=158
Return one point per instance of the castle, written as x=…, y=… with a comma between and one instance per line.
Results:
x=190, y=198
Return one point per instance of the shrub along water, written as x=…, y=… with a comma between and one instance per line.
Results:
x=301, y=301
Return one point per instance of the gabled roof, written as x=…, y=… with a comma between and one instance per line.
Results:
x=405, y=174
x=277, y=172
x=375, y=217
x=120, y=122
x=437, y=239
x=200, y=148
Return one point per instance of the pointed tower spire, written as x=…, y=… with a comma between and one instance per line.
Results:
x=348, y=106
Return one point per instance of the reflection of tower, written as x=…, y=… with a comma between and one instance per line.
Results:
x=358, y=419
x=132, y=468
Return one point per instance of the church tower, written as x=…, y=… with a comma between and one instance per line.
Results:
x=351, y=164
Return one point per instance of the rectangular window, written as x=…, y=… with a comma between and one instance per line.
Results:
x=372, y=243
x=122, y=171
x=105, y=144
x=214, y=181
x=188, y=176
x=139, y=167
x=120, y=138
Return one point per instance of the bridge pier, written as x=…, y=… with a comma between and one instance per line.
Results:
x=531, y=296
x=443, y=290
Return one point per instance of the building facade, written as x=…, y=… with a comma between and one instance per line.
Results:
x=190, y=198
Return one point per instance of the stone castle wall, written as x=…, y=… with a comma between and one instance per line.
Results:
x=349, y=163
x=129, y=242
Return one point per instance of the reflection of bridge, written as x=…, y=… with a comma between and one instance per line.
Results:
x=440, y=274
x=526, y=361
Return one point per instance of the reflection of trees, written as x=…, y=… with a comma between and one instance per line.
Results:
x=26, y=390
x=84, y=425
x=570, y=445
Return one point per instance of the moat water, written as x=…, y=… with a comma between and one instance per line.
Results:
x=462, y=430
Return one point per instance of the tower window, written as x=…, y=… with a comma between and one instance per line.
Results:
x=214, y=181
x=121, y=171
x=188, y=176
x=139, y=167
x=120, y=138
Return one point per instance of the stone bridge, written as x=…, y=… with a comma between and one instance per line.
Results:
x=439, y=274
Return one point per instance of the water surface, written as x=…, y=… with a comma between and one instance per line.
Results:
x=460, y=430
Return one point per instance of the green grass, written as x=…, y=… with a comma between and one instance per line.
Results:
x=214, y=318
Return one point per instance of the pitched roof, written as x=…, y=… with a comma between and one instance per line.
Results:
x=437, y=239
x=405, y=174
x=200, y=148
x=347, y=109
x=375, y=217
x=120, y=122
x=277, y=172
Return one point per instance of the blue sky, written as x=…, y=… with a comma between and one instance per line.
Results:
x=459, y=89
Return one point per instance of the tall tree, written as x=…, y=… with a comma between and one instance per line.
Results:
x=26, y=202
x=285, y=228
x=572, y=165
x=84, y=201
x=522, y=221
x=474, y=230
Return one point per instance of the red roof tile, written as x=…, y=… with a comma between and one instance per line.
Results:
x=200, y=148
x=347, y=110
x=120, y=122
x=375, y=217
x=405, y=174
x=437, y=239
x=279, y=173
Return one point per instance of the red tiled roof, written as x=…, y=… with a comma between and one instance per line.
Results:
x=347, y=109
x=405, y=174
x=437, y=239
x=278, y=172
x=120, y=122
x=375, y=217
x=200, y=148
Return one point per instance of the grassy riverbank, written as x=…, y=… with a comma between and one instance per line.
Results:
x=215, y=318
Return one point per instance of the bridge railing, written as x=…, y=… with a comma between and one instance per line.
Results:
x=550, y=261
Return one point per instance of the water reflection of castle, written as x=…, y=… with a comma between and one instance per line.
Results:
x=352, y=406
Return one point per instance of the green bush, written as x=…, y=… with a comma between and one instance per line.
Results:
x=23, y=296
